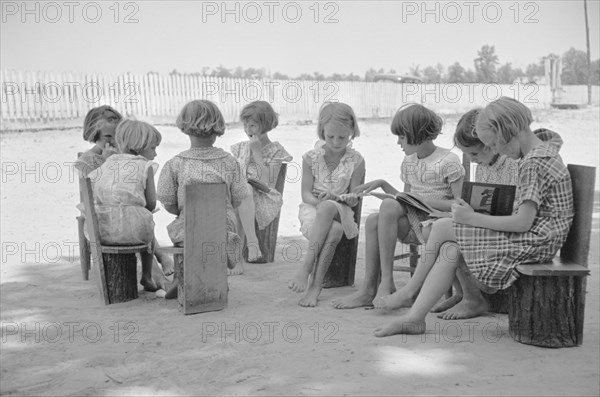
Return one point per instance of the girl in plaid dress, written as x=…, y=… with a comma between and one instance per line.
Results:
x=432, y=172
x=488, y=248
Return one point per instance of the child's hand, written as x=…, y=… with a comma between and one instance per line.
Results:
x=367, y=187
x=108, y=150
x=255, y=145
x=351, y=199
x=461, y=211
x=327, y=196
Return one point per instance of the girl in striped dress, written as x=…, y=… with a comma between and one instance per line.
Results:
x=488, y=248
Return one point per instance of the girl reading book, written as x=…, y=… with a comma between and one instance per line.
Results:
x=434, y=174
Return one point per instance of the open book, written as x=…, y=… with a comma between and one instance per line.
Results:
x=489, y=198
x=414, y=201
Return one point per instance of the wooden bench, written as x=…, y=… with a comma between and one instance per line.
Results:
x=201, y=264
x=547, y=302
x=267, y=238
x=116, y=264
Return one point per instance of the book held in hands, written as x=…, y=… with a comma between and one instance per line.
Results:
x=489, y=198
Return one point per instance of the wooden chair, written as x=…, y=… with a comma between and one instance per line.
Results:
x=547, y=302
x=116, y=264
x=267, y=238
x=201, y=264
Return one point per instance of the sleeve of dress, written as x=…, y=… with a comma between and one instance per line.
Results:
x=166, y=189
x=238, y=186
x=530, y=187
x=452, y=169
x=235, y=150
x=280, y=155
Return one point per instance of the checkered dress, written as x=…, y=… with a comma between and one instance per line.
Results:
x=492, y=256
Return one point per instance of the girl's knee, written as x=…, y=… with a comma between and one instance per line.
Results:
x=391, y=208
x=326, y=209
x=450, y=252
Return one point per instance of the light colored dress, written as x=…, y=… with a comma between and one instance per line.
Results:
x=119, y=185
x=430, y=178
x=491, y=256
x=336, y=182
x=89, y=161
x=267, y=204
x=203, y=165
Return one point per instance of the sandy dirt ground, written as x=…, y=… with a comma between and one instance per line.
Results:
x=58, y=339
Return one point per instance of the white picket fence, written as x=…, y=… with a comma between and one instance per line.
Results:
x=38, y=97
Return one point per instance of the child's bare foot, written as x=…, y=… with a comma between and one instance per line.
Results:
x=171, y=293
x=394, y=301
x=148, y=284
x=310, y=298
x=299, y=282
x=403, y=325
x=467, y=308
x=385, y=289
x=357, y=299
x=447, y=303
x=254, y=253
x=237, y=270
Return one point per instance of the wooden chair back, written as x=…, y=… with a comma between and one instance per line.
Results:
x=577, y=246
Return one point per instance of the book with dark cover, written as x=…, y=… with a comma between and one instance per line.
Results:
x=489, y=198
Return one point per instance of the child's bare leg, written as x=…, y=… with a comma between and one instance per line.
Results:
x=165, y=260
x=392, y=221
x=473, y=304
x=239, y=266
x=367, y=290
x=440, y=233
x=453, y=300
x=326, y=212
x=146, y=280
x=246, y=212
x=436, y=284
x=316, y=283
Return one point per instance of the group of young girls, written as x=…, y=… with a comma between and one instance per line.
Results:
x=477, y=252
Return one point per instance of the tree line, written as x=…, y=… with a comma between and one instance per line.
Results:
x=487, y=69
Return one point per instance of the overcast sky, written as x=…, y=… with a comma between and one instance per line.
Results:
x=285, y=36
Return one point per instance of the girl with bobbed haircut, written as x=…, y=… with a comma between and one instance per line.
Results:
x=505, y=117
x=262, y=113
x=417, y=123
x=135, y=136
x=261, y=161
x=339, y=113
x=201, y=118
x=96, y=118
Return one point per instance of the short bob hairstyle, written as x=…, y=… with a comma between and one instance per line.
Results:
x=417, y=123
x=339, y=113
x=201, y=118
x=506, y=117
x=261, y=113
x=135, y=136
x=465, y=135
x=96, y=118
